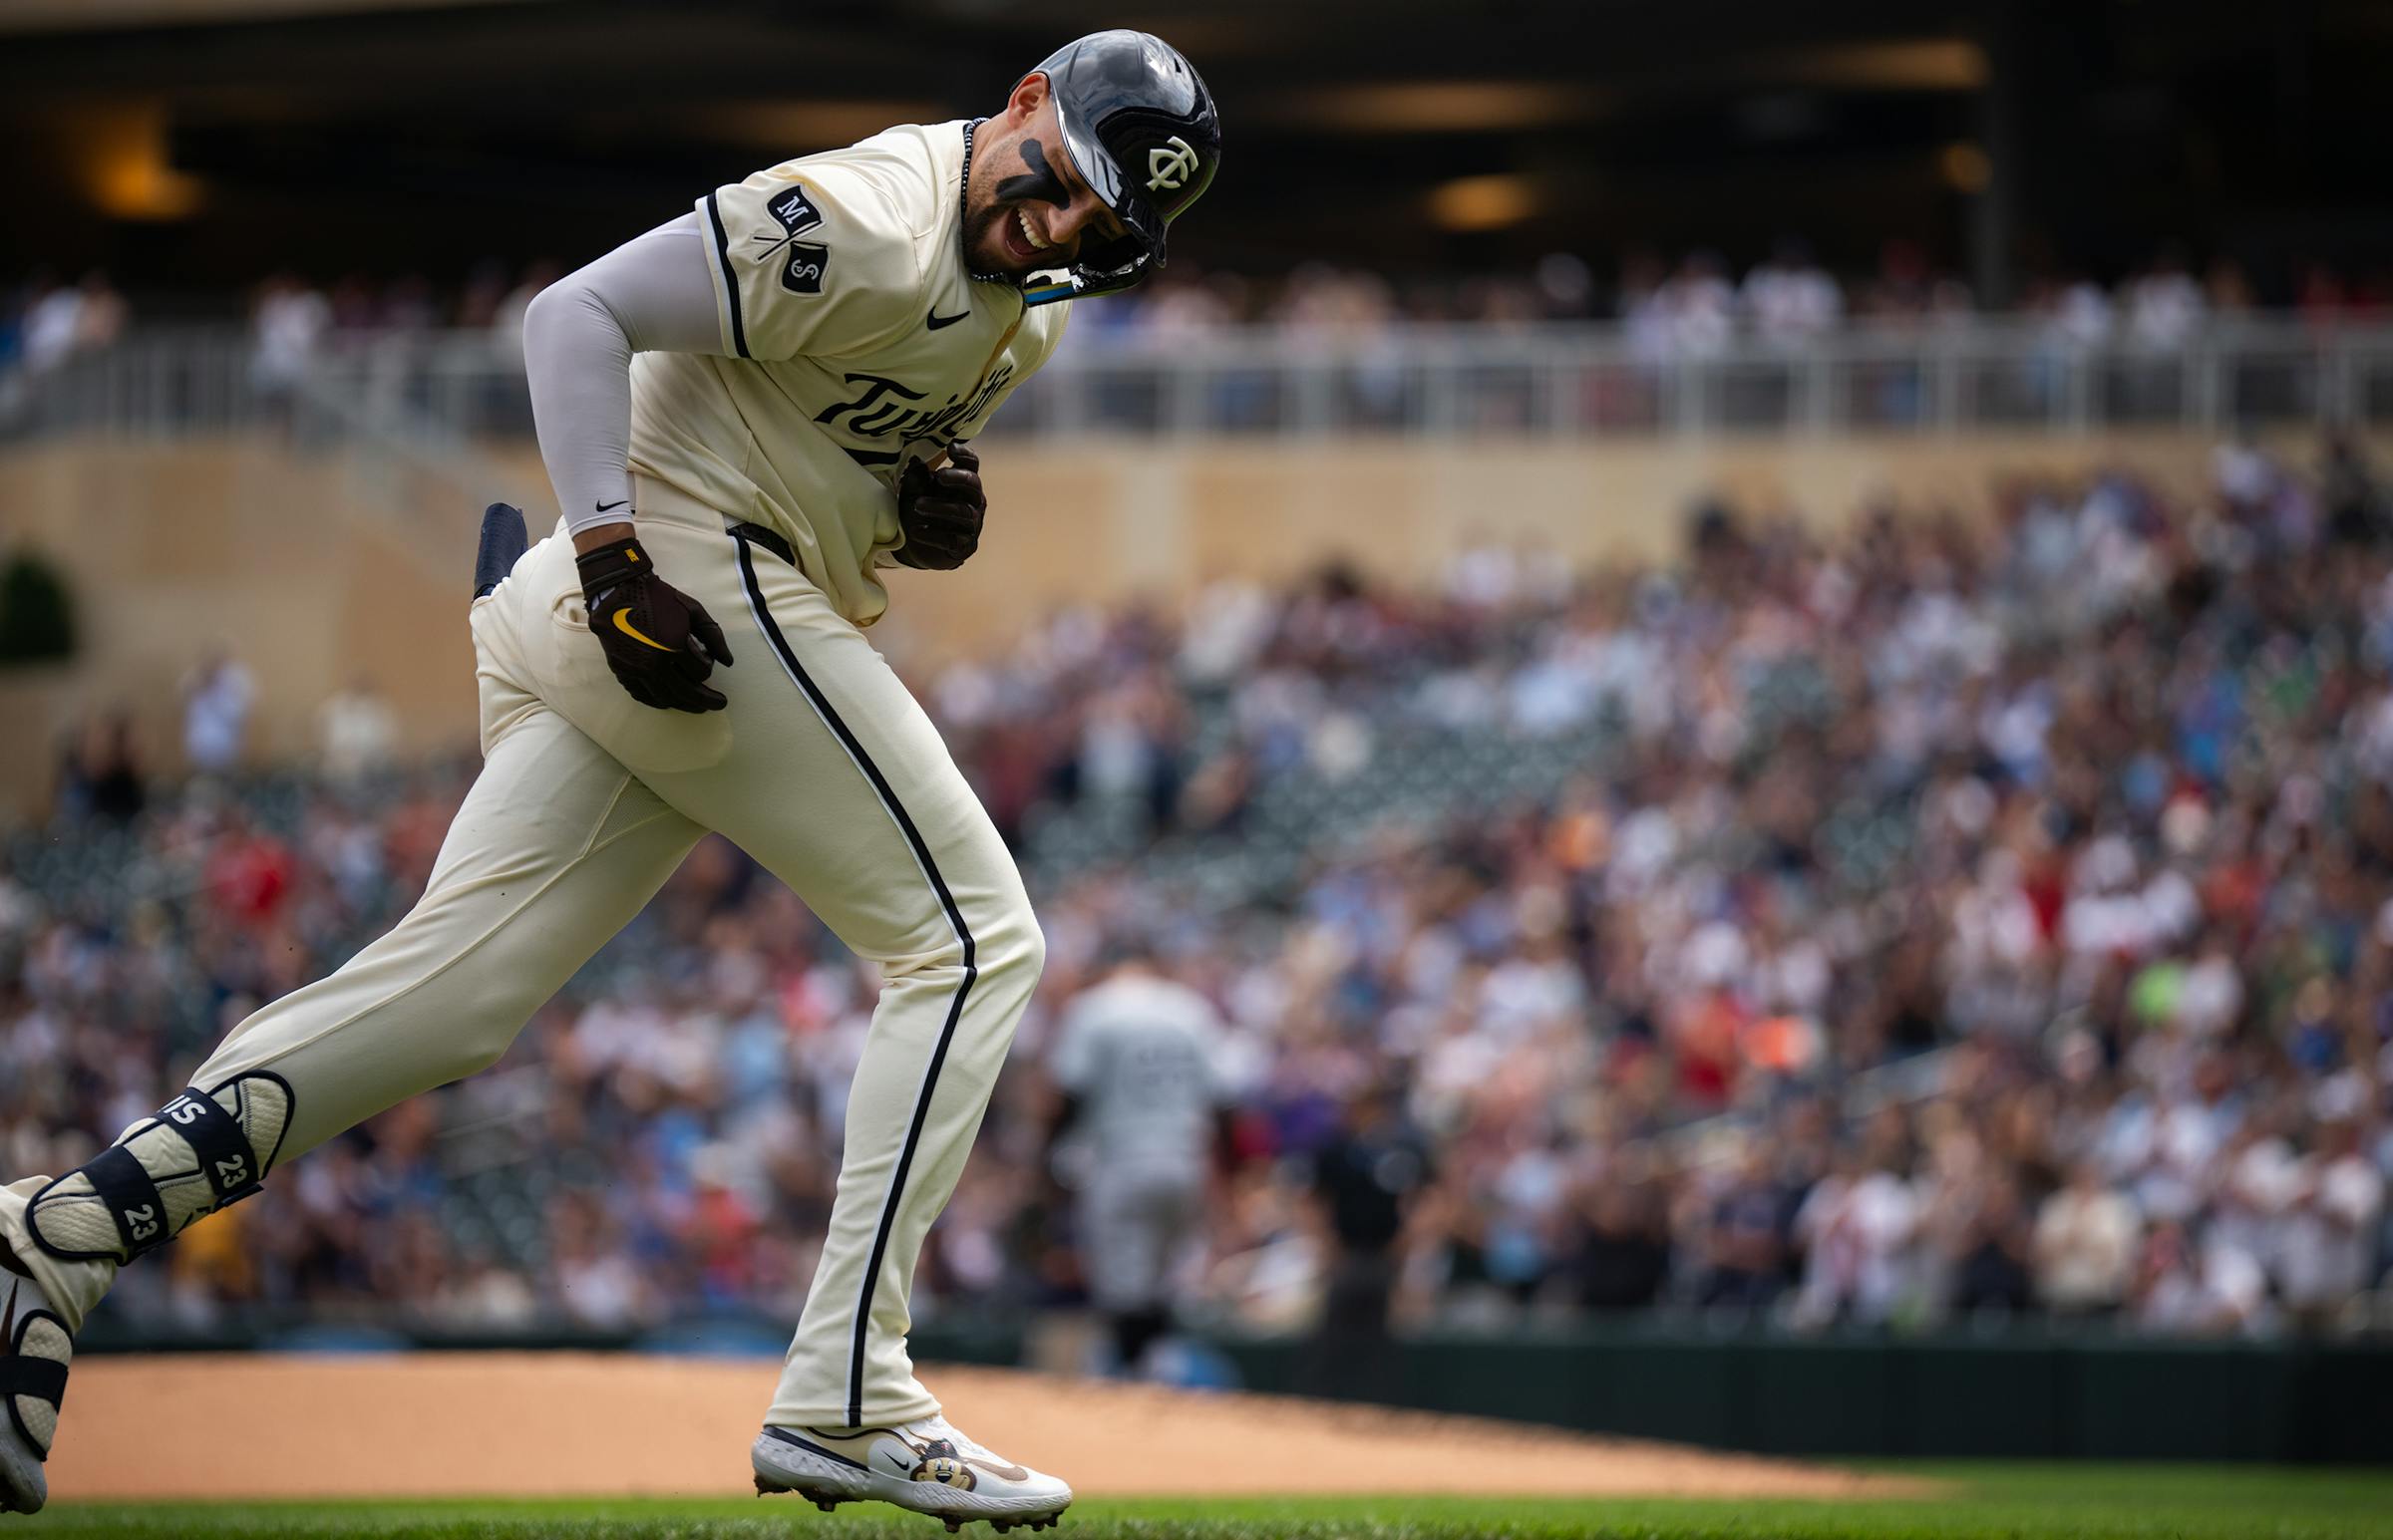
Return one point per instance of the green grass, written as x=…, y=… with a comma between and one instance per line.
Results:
x=1986, y=1501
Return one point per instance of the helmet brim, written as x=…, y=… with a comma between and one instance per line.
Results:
x=1134, y=209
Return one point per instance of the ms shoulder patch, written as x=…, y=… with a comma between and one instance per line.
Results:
x=802, y=273
x=794, y=211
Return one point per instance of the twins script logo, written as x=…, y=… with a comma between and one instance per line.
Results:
x=885, y=407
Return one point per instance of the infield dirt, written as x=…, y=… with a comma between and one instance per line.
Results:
x=549, y=1424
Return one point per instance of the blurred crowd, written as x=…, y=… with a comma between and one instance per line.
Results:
x=1947, y=919
x=43, y=323
x=1699, y=304
x=1690, y=342
x=1693, y=305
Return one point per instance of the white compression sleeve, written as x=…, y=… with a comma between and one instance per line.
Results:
x=655, y=294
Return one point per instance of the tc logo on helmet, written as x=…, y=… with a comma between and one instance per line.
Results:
x=1170, y=164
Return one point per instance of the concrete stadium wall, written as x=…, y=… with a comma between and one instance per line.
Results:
x=319, y=567
x=301, y=566
x=1104, y=518
x=2019, y=1396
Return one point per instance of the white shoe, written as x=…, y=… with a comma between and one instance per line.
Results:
x=34, y=1352
x=926, y=1465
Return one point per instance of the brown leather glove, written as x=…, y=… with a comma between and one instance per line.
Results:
x=942, y=512
x=660, y=642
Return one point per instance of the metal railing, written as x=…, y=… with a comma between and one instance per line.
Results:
x=1572, y=380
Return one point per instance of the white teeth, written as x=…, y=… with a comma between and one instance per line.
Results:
x=1022, y=219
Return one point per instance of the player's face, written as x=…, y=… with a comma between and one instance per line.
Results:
x=1028, y=208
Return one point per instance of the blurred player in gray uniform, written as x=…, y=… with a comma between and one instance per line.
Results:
x=749, y=414
x=1142, y=1066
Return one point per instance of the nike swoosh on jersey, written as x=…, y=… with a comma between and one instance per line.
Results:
x=609, y=508
x=624, y=625
x=934, y=320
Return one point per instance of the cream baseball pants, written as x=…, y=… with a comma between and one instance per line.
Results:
x=825, y=771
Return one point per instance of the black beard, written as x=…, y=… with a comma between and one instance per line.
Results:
x=987, y=244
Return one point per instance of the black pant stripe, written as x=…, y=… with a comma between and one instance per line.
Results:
x=955, y=918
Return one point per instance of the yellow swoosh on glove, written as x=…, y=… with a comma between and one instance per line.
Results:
x=624, y=625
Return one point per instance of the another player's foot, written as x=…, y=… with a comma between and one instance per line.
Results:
x=34, y=1352
x=926, y=1465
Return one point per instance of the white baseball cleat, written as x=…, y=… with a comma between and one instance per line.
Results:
x=34, y=1352
x=926, y=1465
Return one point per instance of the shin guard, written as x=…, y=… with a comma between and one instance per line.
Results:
x=201, y=1151
x=34, y=1351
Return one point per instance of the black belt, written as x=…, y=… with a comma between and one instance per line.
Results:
x=766, y=536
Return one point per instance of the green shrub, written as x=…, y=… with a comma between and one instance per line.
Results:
x=37, y=616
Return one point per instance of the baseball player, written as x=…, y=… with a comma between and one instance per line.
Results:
x=1141, y=1064
x=743, y=412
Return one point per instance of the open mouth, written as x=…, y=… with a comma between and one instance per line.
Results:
x=1023, y=243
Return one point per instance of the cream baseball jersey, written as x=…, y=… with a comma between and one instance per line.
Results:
x=856, y=337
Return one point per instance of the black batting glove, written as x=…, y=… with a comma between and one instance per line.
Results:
x=660, y=642
x=942, y=512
